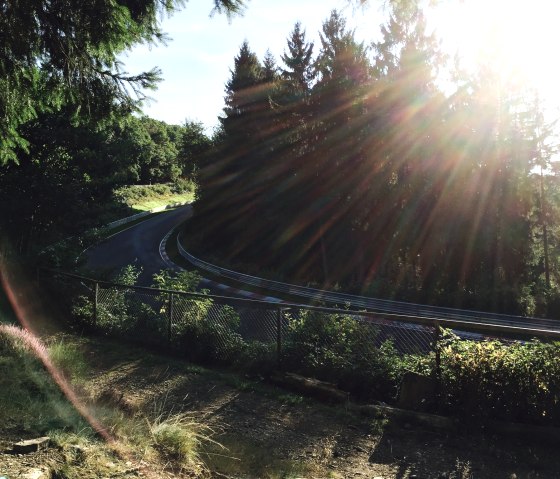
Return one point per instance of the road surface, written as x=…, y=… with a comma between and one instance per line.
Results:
x=137, y=245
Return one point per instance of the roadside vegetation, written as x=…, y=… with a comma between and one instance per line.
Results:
x=148, y=197
x=162, y=417
x=347, y=166
x=103, y=439
x=76, y=178
x=474, y=380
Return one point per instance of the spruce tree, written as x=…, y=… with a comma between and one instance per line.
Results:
x=65, y=52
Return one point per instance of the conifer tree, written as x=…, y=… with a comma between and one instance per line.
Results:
x=65, y=52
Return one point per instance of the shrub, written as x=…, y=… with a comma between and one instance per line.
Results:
x=340, y=348
x=207, y=332
x=491, y=379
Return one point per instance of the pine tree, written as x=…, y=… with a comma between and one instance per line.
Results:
x=229, y=183
x=65, y=52
x=299, y=72
x=331, y=166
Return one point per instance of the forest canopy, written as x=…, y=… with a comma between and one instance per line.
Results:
x=343, y=164
x=349, y=165
x=65, y=53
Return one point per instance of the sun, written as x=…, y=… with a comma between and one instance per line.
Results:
x=520, y=38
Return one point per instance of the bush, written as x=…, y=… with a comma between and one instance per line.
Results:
x=491, y=379
x=487, y=380
x=208, y=333
x=339, y=348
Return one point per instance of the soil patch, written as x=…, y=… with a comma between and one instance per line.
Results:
x=270, y=433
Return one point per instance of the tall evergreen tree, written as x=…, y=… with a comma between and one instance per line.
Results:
x=300, y=71
x=228, y=185
x=337, y=102
x=65, y=52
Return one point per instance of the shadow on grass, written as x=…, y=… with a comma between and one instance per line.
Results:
x=271, y=434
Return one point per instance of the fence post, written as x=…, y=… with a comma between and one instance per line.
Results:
x=437, y=350
x=278, y=334
x=169, y=317
x=95, y=301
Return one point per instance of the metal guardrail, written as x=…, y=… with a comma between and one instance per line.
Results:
x=474, y=329
x=459, y=316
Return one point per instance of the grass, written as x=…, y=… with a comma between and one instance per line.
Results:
x=180, y=438
x=148, y=197
x=68, y=358
x=153, y=203
x=31, y=405
x=30, y=401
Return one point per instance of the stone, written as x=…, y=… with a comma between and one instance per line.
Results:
x=31, y=445
x=35, y=474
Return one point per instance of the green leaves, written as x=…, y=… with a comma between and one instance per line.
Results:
x=65, y=52
x=514, y=382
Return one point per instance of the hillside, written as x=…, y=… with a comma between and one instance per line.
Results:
x=242, y=428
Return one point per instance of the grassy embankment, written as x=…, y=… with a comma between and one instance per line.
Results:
x=110, y=443
x=137, y=430
x=148, y=197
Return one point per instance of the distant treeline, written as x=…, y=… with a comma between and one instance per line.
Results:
x=66, y=182
x=358, y=166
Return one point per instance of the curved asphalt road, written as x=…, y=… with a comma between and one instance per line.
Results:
x=138, y=245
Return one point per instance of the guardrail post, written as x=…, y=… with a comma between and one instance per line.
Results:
x=95, y=301
x=278, y=334
x=169, y=317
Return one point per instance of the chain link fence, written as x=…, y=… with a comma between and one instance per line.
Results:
x=365, y=353
x=169, y=317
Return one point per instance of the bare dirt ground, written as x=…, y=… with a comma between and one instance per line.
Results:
x=267, y=432
x=271, y=433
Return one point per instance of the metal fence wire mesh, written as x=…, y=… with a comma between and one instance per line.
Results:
x=178, y=318
x=217, y=328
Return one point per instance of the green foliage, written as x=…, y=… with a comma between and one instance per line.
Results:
x=515, y=382
x=208, y=333
x=68, y=358
x=339, y=348
x=66, y=53
x=120, y=312
x=81, y=171
x=177, y=281
x=30, y=400
x=257, y=357
x=179, y=438
x=363, y=172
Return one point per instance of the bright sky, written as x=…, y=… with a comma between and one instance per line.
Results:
x=197, y=60
x=196, y=63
